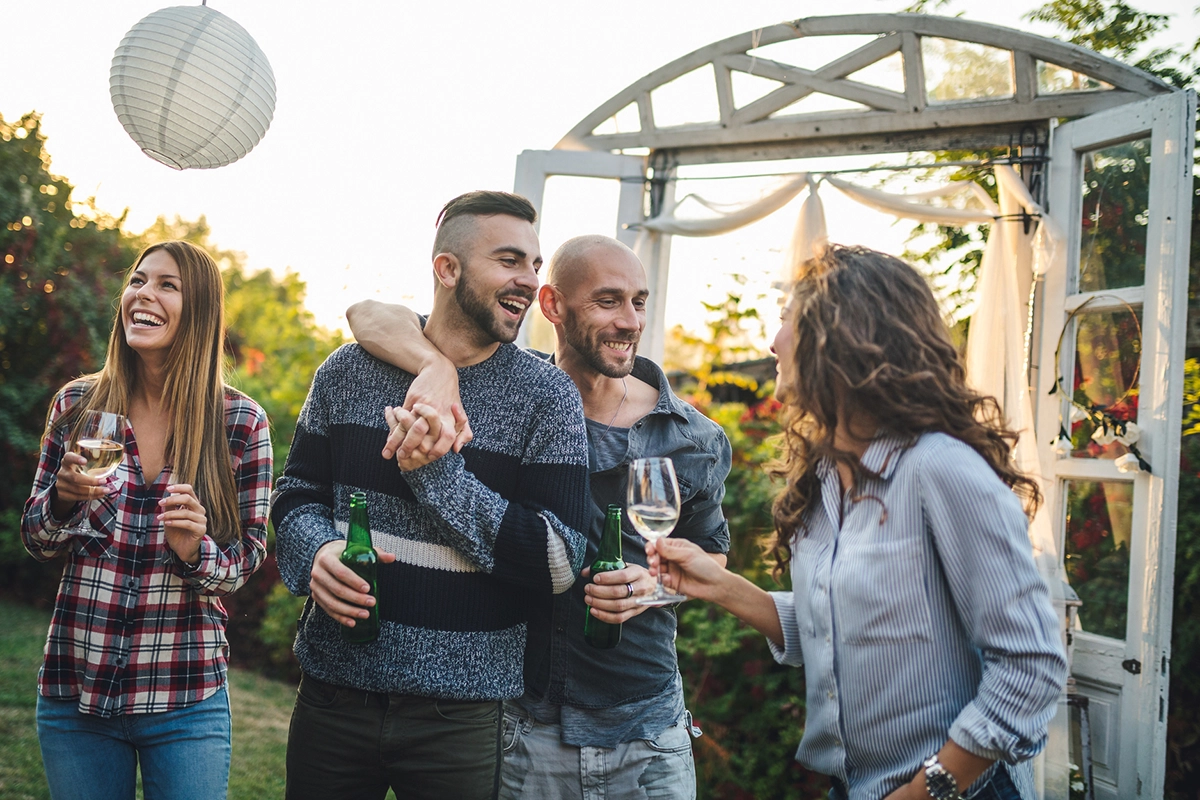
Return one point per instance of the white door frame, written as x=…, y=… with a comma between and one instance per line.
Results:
x=1134, y=764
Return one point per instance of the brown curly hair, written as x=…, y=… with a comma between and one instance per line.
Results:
x=871, y=343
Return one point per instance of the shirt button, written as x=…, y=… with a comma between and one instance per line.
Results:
x=562, y=630
x=832, y=695
x=828, y=639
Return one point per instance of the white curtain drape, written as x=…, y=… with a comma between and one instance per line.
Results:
x=727, y=217
x=997, y=341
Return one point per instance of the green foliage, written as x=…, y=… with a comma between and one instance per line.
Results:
x=60, y=271
x=750, y=708
x=729, y=337
x=1118, y=30
x=278, y=631
x=60, y=261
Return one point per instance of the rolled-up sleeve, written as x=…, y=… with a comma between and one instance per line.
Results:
x=980, y=533
x=790, y=654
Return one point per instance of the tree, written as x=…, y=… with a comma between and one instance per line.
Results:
x=273, y=342
x=60, y=262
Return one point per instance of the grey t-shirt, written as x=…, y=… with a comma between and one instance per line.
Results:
x=611, y=444
x=639, y=719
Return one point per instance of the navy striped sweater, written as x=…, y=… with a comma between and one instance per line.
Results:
x=482, y=538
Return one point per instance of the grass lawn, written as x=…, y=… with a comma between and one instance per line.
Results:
x=261, y=710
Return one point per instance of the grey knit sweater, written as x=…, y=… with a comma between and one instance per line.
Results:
x=482, y=538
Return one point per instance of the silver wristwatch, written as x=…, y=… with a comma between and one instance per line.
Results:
x=938, y=781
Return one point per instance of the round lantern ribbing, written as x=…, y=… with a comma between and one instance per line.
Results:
x=192, y=88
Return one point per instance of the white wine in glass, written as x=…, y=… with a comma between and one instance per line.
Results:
x=102, y=442
x=654, y=509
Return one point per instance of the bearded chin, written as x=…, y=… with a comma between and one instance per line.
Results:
x=483, y=313
x=592, y=353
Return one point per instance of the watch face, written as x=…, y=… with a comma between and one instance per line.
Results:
x=940, y=783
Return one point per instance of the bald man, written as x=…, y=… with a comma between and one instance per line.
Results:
x=606, y=722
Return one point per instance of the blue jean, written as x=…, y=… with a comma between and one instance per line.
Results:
x=538, y=765
x=184, y=753
x=997, y=787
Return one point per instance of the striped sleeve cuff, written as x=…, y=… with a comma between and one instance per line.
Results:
x=977, y=734
x=562, y=576
x=790, y=654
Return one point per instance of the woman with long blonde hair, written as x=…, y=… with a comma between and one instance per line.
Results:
x=135, y=661
x=932, y=658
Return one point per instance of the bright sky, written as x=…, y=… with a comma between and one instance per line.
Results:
x=387, y=110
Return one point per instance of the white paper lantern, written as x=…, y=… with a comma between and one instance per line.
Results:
x=192, y=88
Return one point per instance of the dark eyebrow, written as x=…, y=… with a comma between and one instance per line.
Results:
x=161, y=277
x=511, y=249
x=607, y=290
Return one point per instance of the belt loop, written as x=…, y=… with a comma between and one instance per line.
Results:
x=692, y=728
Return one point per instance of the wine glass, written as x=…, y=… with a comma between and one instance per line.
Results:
x=101, y=440
x=654, y=510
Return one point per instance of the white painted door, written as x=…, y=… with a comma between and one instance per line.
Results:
x=1120, y=184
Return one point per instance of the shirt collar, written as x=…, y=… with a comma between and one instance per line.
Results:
x=881, y=457
x=648, y=372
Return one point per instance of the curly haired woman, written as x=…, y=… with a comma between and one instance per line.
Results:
x=932, y=657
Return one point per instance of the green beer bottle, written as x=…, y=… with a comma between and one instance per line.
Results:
x=604, y=635
x=359, y=556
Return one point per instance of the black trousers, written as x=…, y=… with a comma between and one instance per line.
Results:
x=348, y=744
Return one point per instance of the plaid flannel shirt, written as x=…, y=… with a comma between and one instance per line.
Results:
x=136, y=630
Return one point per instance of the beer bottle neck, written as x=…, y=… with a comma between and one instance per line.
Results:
x=610, y=541
x=360, y=527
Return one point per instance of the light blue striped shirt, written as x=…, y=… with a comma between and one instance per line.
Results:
x=920, y=616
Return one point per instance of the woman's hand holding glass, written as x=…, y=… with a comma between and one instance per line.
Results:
x=184, y=522
x=93, y=455
x=686, y=569
x=654, y=509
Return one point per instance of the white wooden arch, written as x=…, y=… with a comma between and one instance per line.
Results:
x=890, y=121
x=1111, y=103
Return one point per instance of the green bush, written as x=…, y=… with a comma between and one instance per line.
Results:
x=278, y=631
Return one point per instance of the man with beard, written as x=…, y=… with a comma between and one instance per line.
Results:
x=610, y=722
x=473, y=544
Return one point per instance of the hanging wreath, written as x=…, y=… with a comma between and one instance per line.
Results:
x=1107, y=428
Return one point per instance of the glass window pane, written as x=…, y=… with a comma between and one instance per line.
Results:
x=956, y=71
x=1053, y=79
x=1108, y=351
x=1116, y=206
x=1099, y=525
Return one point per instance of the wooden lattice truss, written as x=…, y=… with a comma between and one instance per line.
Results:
x=885, y=120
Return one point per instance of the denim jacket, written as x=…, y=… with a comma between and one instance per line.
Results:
x=644, y=664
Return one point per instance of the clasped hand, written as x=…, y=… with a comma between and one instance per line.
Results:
x=431, y=422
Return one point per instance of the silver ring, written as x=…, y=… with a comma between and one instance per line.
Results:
x=629, y=586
